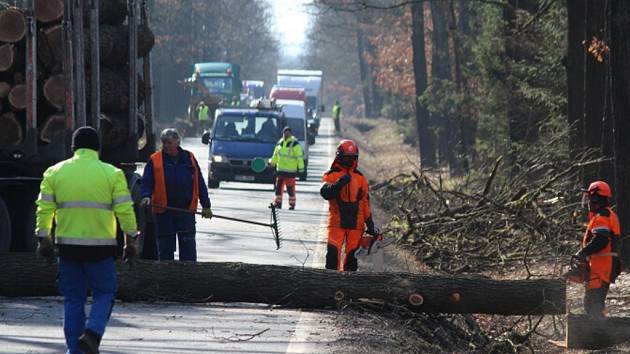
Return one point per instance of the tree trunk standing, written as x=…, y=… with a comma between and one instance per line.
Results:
x=594, y=88
x=364, y=72
x=607, y=168
x=25, y=275
x=575, y=74
x=426, y=143
x=440, y=74
x=620, y=74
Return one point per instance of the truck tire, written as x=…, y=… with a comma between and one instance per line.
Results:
x=5, y=227
x=213, y=183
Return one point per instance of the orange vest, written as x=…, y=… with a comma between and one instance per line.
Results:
x=601, y=262
x=159, y=183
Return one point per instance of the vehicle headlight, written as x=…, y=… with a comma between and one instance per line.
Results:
x=218, y=158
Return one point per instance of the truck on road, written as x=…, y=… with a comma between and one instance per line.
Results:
x=312, y=83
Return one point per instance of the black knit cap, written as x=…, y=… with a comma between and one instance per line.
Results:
x=85, y=138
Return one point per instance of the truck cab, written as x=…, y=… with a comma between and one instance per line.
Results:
x=241, y=144
x=219, y=79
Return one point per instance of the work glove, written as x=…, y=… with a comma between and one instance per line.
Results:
x=345, y=179
x=206, y=213
x=129, y=253
x=45, y=249
x=145, y=202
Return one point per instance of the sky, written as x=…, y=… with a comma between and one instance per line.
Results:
x=291, y=23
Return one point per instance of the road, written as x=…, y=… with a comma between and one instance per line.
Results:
x=35, y=325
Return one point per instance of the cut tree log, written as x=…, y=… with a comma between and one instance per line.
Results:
x=12, y=25
x=17, y=97
x=115, y=91
x=115, y=129
x=584, y=332
x=25, y=275
x=48, y=11
x=54, y=91
x=50, y=48
x=53, y=129
x=5, y=88
x=11, y=132
x=10, y=58
x=114, y=44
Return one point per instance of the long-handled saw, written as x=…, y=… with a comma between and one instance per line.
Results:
x=273, y=224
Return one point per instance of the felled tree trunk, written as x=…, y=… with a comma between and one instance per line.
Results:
x=10, y=58
x=586, y=333
x=12, y=26
x=54, y=91
x=11, y=132
x=24, y=275
x=17, y=97
x=48, y=11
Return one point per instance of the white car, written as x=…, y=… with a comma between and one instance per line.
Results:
x=295, y=114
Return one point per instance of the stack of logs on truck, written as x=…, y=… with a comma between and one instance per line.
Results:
x=50, y=78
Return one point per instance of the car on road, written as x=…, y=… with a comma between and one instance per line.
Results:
x=241, y=143
x=295, y=114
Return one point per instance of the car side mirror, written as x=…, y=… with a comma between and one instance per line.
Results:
x=322, y=108
x=205, y=138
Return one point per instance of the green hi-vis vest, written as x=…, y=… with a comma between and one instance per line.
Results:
x=203, y=113
x=84, y=196
x=288, y=156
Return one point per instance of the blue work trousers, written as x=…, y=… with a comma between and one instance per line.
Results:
x=176, y=227
x=75, y=278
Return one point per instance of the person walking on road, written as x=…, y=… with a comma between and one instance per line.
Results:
x=346, y=190
x=203, y=116
x=598, y=258
x=336, y=112
x=289, y=161
x=84, y=196
x=172, y=178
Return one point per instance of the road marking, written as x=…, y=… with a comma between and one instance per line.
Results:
x=298, y=343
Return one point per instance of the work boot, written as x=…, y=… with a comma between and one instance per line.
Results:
x=292, y=207
x=89, y=342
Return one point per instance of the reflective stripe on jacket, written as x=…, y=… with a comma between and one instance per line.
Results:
x=84, y=196
x=288, y=156
x=159, y=195
x=603, y=223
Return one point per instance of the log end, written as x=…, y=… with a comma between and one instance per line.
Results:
x=11, y=132
x=17, y=97
x=7, y=57
x=455, y=297
x=416, y=299
x=12, y=25
x=54, y=128
x=48, y=11
x=339, y=296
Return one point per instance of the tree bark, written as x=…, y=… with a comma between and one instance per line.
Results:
x=440, y=73
x=575, y=74
x=12, y=26
x=11, y=132
x=10, y=58
x=17, y=97
x=364, y=72
x=53, y=129
x=585, y=333
x=54, y=91
x=25, y=275
x=48, y=11
x=114, y=91
x=114, y=44
x=426, y=142
x=620, y=74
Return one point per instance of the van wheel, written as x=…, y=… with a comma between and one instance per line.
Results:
x=5, y=227
x=213, y=183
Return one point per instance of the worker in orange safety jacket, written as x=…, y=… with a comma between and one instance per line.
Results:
x=599, y=255
x=346, y=190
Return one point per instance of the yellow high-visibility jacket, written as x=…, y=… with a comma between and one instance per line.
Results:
x=288, y=156
x=84, y=196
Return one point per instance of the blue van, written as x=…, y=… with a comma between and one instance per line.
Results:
x=241, y=143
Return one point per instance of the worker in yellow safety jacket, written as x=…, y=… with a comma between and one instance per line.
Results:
x=84, y=196
x=289, y=161
x=203, y=116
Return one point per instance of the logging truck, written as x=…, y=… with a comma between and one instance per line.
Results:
x=39, y=135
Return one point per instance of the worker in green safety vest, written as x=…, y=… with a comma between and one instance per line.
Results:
x=336, y=112
x=203, y=116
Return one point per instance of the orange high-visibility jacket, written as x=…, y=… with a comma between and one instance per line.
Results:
x=351, y=208
x=159, y=190
x=602, y=223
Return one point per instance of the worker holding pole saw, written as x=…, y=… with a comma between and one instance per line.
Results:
x=172, y=178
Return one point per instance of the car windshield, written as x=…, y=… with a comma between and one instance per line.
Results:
x=297, y=127
x=217, y=84
x=247, y=127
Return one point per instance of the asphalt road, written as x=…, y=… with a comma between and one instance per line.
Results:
x=35, y=325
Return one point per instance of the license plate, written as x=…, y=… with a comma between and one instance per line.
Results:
x=244, y=178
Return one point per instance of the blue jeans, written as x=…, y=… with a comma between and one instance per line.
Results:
x=75, y=278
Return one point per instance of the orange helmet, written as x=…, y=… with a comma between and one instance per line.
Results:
x=347, y=148
x=600, y=188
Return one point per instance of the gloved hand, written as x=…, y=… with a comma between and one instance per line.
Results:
x=145, y=202
x=129, y=253
x=206, y=213
x=345, y=179
x=45, y=249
